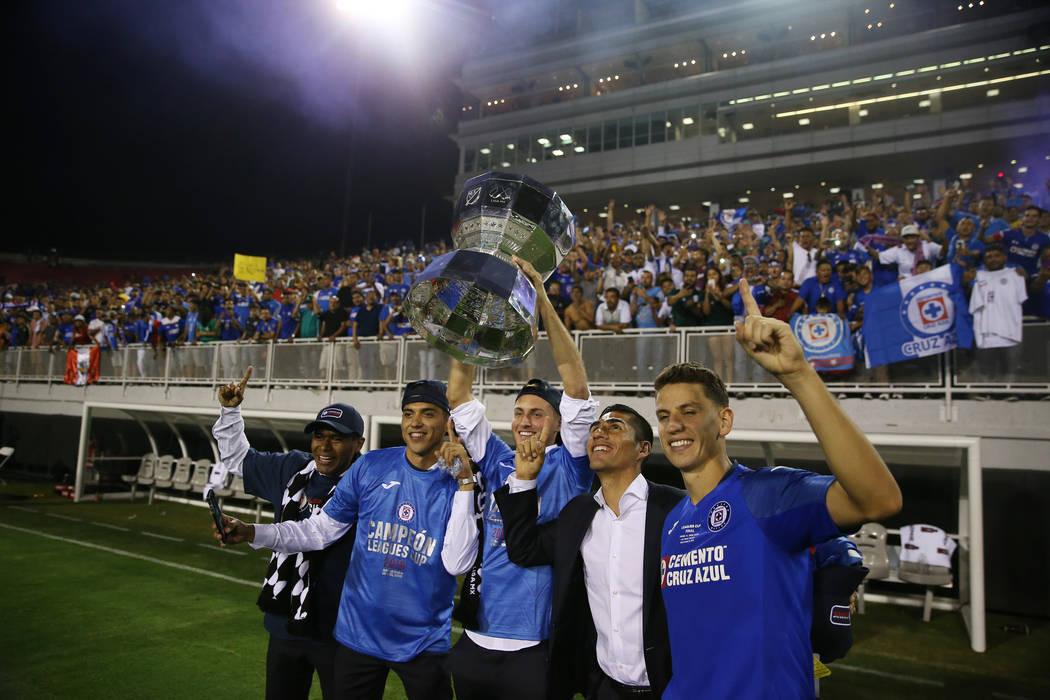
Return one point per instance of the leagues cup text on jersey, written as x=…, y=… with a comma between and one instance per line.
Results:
x=397, y=596
x=737, y=581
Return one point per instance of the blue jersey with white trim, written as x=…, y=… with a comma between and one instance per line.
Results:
x=737, y=582
x=515, y=600
x=397, y=596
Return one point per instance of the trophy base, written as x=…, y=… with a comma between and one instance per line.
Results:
x=474, y=307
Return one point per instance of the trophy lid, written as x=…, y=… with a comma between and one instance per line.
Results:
x=504, y=214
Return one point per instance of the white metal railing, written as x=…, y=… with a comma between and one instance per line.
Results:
x=627, y=361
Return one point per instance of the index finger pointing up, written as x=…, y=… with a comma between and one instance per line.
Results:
x=750, y=305
x=244, y=381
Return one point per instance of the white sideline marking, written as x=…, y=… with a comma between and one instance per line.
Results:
x=162, y=537
x=111, y=527
x=884, y=674
x=223, y=549
x=143, y=557
x=64, y=517
x=28, y=510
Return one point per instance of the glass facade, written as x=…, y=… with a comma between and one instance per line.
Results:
x=703, y=41
x=971, y=80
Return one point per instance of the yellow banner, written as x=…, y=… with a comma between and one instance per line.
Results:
x=250, y=268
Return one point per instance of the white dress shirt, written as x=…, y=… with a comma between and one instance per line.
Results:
x=804, y=262
x=612, y=573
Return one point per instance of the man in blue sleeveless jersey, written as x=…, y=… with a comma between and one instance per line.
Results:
x=503, y=652
x=395, y=611
x=735, y=569
x=298, y=485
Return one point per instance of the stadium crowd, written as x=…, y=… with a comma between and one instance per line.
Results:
x=658, y=272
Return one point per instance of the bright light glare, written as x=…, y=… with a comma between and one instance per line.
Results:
x=388, y=13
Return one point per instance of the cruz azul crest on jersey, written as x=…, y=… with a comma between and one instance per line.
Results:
x=405, y=512
x=718, y=516
x=928, y=309
x=331, y=413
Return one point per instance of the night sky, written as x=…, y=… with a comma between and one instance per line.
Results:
x=192, y=129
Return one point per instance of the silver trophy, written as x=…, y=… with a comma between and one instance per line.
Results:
x=474, y=303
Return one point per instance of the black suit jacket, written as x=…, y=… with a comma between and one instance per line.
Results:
x=573, y=664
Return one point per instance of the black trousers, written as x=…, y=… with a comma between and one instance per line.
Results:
x=608, y=689
x=290, y=666
x=362, y=677
x=484, y=674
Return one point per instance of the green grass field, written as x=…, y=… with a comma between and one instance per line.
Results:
x=126, y=600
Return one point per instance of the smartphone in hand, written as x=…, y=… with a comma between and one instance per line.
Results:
x=216, y=514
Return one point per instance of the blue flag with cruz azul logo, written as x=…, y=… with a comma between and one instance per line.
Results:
x=916, y=317
x=825, y=341
x=732, y=217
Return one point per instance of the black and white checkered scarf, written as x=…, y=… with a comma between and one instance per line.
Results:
x=286, y=589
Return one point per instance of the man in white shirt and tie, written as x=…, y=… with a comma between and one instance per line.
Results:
x=608, y=632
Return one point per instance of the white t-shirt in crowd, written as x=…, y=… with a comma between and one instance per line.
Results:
x=905, y=258
x=604, y=315
x=995, y=303
x=96, y=329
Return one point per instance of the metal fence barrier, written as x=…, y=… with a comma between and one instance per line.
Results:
x=627, y=361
